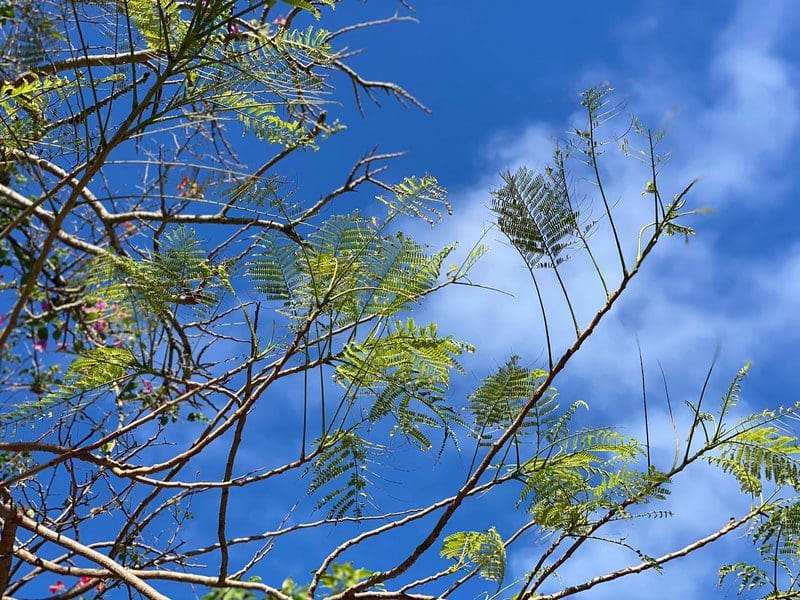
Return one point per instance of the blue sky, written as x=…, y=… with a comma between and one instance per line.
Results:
x=502, y=80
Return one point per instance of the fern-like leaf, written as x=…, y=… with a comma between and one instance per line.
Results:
x=760, y=453
x=482, y=549
x=498, y=400
x=777, y=539
x=178, y=274
x=407, y=372
x=420, y=197
x=534, y=214
x=341, y=471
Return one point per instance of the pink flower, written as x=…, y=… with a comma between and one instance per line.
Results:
x=101, y=305
x=100, y=327
x=45, y=305
x=61, y=347
x=280, y=21
x=40, y=345
x=147, y=386
x=116, y=342
x=58, y=586
x=233, y=28
x=84, y=580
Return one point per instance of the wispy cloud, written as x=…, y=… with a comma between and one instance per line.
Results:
x=734, y=130
x=742, y=135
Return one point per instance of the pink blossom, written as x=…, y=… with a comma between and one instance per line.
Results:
x=147, y=386
x=280, y=21
x=40, y=345
x=101, y=305
x=233, y=28
x=45, y=305
x=58, y=586
x=84, y=580
x=100, y=327
x=61, y=347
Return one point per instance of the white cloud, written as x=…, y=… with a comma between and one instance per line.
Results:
x=734, y=132
x=731, y=141
x=742, y=136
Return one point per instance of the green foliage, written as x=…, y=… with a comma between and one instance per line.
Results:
x=95, y=371
x=582, y=475
x=755, y=450
x=338, y=579
x=254, y=73
x=234, y=593
x=30, y=34
x=348, y=266
x=573, y=475
x=750, y=577
x=305, y=5
x=534, y=213
x=342, y=466
x=230, y=594
x=756, y=454
x=777, y=538
x=731, y=397
x=418, y=197
x=497, y=402
x=343, y=576
x=23, y=106
x=293, y=590
x=482, y=549
x=178, y=273
x=184, y=73
x=100, y=367
x=407, y=368
x=159, y=22
x=6, y=12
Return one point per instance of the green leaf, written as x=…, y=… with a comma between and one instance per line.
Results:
x=343, y=576
x=483, y=549
x=419, y=197
x=99, y=367
x=341, y=468
x=407, y=372
x=305, y=5
x=534, y=213
x=497, y=402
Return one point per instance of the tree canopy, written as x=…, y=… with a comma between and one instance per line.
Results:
x=187, y=326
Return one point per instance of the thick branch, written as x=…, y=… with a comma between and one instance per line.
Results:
x=125, y=575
